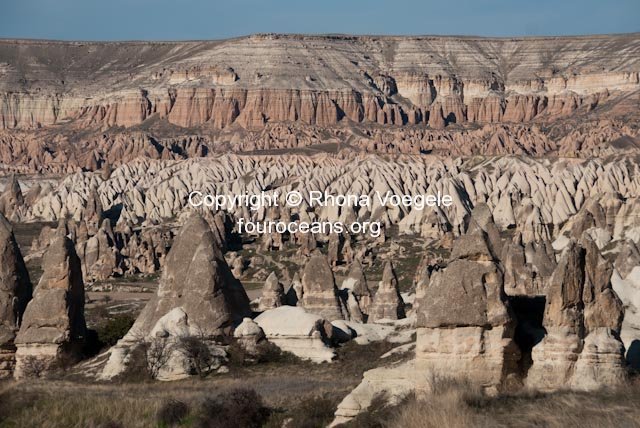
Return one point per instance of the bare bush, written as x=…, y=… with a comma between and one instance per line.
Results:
x=155, y=352
x=34, y=367
x=196, y=349
x=158, y=352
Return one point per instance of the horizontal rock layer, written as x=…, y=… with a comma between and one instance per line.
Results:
x=317, y=80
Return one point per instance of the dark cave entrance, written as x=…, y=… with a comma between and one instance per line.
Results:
x=529, y=313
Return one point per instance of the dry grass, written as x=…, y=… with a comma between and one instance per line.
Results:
x=457, y=405
x=65, y=409
x=306, y=396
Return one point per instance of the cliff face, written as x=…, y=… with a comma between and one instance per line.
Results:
x=313, y=80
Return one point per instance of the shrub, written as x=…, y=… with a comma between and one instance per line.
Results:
x=238, y=408
x=171, y=413
x=313, y=412
x=34, y=367
x=114, y=329
x=196, y=349
x=267, y=352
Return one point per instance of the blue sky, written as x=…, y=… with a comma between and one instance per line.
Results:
x=212, y=19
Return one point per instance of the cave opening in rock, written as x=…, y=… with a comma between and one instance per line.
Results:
x=529, y=313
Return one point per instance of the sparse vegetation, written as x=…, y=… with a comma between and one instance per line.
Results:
x=453, y=404
x=172, y=413
x=114, y=329
x=312, y=412
x=197, y=350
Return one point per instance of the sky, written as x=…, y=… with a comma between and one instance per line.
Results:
x=214, y=19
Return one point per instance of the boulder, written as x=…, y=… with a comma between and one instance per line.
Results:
x=293, y=329
x=249, y=336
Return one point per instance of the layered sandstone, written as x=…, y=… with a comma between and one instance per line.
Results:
x=312, y=79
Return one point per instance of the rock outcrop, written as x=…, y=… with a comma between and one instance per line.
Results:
x=193, y=83
x=198, y=289
x=387, y=302
x=15, y=294
x=464, y=323
x=272, y=294
x=583, y=316
x=53, y=326
x=356, y=283
x=293, y=329
x=319, y=291
x=249, y=336
x=12, y=200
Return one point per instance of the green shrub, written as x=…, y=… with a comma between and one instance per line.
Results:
x=114, y=329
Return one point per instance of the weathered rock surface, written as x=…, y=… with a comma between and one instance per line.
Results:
x=272, y=294
x=249, y=336
x=293, y=329
x=12, y=200
x=319, y=291
x=253, y=93
x=198, y=284
x=387, y=302
x=583, y=317
x=192, y=83
x=551, y=191
x=464, y=324
x=53, y=326
x=396, y=382
x=356, y=284
x=15, y=294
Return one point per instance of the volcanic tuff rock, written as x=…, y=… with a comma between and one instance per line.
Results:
x=53, y=326
x=625, y=280
x=583, y=317
x=307, y=337
x=272, y=293
x=543, y=194
x=464, y=324
x=387, y=302
x=249, y=336
x=15, y=293
x=197, y=288
x=356, y=283
x=266, y=92
x=12, y=200
x=319, y=291
x=198, y=279
x=100, y=257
